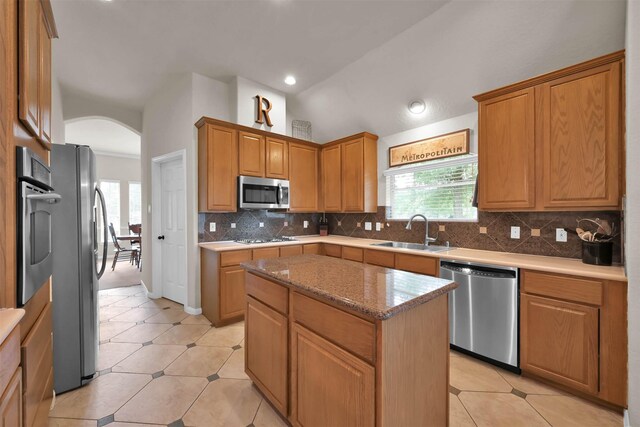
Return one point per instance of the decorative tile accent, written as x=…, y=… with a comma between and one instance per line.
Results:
x=236, y=347
x=105, y=371
x=105, y=420
x=157, y=374
x=144, y=344
x=519, y=393
x=191, y=345
x=454, y=390
x=177, y=423
x=213, y=377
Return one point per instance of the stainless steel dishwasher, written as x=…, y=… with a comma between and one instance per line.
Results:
x=484, y=311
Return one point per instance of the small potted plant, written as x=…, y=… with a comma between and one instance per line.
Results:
x=597, y=240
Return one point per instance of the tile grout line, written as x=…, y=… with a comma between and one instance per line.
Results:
x=465, y=410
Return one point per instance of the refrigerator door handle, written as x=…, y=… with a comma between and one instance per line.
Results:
x=104, y=229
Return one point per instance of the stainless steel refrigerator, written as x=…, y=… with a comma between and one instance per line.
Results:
x=79, y=259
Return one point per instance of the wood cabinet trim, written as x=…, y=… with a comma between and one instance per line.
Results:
x=417, y=264
x=380, y=258
x=9, y=358
x=235, y=257
x=11, y=403
x=570, y=288
x=268, y=292
x=291, y=250
x=266, y=253
x=353, y=254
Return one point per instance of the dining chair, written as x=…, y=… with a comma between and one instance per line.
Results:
x=137, y=244
x=121, y=250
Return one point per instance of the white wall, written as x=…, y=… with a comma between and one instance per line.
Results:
x=632, y=214
x=57, y=113
x=467, y=121
x=243, y=103
x=77, y=106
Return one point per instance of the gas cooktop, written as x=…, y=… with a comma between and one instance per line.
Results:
x=272, y=240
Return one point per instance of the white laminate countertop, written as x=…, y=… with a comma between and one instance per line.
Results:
x=9, y=318
x=550, y=264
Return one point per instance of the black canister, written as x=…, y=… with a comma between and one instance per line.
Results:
x=597, y=253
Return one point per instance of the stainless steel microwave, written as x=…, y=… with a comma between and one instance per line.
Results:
x=262, y=193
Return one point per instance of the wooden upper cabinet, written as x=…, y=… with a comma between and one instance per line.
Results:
x=303, y=177
x=581, y=139
x=332, y=178
x=29, y=69
x=277, y=159
x=251, y=153
x=506, y=152
x=217, y=169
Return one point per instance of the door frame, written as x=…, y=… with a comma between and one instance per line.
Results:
x=156, y=221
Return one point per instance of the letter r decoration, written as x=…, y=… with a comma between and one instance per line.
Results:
x=263, y=107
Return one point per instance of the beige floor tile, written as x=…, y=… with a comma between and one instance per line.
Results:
x=267, y=417
x=150, y=359
x=110, y=329
x=161, y=303
x=196, y=320
x=227, y=336
x=136, y=314
x=108, y=313
x=171, y=315
x=101, y=397
x=68, y=422
x=182, y=334
x=471, y=375
x=111, y=353
x=199, y=361
x=127, y=290
x=458, y=415
x=571, y=411
x=117, y=424
x=142, y=333
x=234, y=366
x=500, y=410
x=131, y=302
x=527, y=385
x=163, y=400
x=104, y=300
x=224, y=403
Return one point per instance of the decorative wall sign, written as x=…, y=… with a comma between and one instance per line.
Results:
x=437, y=147
x=263, y=107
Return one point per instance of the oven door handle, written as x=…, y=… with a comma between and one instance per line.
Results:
x=104, y=230
x=51, y=198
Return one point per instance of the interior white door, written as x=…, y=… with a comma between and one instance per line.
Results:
x=173, y=232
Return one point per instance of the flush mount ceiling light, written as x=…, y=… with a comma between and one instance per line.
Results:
x=417, y=106
x=290, y=80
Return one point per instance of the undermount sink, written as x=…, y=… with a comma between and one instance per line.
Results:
x=415, y=246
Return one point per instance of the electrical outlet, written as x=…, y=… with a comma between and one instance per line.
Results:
x=286, y=223
x=212, y=227
x=515, y=232
x=378, y=226
x=561, y=235
x=261, y=224
x=305, y=224
x=233, y=225
x=367, y=226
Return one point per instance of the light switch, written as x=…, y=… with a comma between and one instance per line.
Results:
x=378, y=226
x=212, y=227
x=305, y=224
x=233, y=225
x=367, y=226
x=515, y=232
x=561, y=235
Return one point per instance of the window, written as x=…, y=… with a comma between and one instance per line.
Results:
x=135, y=203
x=111, y=190
x=438, y=189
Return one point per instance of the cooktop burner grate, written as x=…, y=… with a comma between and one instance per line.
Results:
x=272, y=240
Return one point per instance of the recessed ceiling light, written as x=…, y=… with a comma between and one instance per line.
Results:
x=290, y=80
x=417, y=106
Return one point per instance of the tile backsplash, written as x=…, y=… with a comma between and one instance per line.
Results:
x=537, y=229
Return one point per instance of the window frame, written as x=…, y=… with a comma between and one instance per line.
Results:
x=129, y=201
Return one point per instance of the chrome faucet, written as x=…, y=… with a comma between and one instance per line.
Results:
x=427, y=239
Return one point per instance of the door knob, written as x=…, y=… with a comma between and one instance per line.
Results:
x=160, y=237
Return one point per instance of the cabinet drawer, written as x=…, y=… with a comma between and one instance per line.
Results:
x=311, y=248
x=353, y=254
x=348, y=331
x=37, y=350
x=417, y=264
x=268, y=292
x=264, y=253
x=588, y=291
x=291, y=250
x=11, y=402
x=9, y=357
x=235, y=257
x=333, y=250
x=381, y=258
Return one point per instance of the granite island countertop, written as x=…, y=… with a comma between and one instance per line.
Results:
x=374, y=291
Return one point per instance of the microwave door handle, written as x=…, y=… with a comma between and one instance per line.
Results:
x=279, y=200
x=50, y=198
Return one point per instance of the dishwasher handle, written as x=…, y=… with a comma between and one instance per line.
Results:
x=479, y=270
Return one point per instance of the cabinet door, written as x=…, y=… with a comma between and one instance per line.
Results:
x=251, y=154
x=29, y=69
x=332, y=178
x=581, y=139
x=232, y=292
x=353, y=175
x=221, y=159
x=266, y=351
x=11, y=402
x=44, y=81
x=303, y=177
x=329, y=386
x=277, y=159
x=506, y=152
x=560, y=341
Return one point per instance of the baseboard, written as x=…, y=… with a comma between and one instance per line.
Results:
x=627, y=423
x=191, y=310
x=147, y=293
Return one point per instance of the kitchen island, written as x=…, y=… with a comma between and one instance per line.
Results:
x=332, y=342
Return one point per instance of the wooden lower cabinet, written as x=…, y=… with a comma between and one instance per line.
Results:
x=11, y=402
x=329, y=386
x=266, y=347
x=231, y=292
